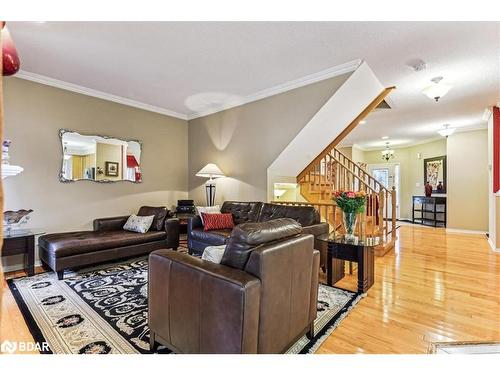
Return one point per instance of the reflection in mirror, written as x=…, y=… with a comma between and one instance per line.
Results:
x=99, y=158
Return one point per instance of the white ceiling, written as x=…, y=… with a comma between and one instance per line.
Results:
x=187, y=68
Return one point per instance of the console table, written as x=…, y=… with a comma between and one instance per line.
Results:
x=359, y=250
x=429, y=211
x=21, y=242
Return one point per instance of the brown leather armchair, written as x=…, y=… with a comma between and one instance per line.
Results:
x=261, y=299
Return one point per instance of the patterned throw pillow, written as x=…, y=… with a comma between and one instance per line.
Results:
x=213, y=253
x=209, y=210
x=139, y=224
x=217, y=221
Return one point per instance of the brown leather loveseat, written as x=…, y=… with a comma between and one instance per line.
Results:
x=261, y=299
x=108, y=241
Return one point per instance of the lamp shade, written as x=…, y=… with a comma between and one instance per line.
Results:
x=210, y=170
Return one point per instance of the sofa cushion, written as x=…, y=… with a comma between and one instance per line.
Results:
x=246, y=237
x=72, y=243
x=305, y=215
x=160, y=213
x=242, y=211
x=212, y=237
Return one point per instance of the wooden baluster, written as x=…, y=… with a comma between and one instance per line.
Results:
x=380, y=213
x=387, y=213
x=393, y=221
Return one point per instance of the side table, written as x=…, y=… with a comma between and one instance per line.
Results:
x=21, y=242
x=359, y=250
x=183, y=220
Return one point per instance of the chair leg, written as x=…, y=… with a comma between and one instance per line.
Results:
x=152, y=343
x=310, y=333
x=60, y=275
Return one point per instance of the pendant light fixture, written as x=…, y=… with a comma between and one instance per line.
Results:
x=446, y=131
x=388, y=153
x=437, y=90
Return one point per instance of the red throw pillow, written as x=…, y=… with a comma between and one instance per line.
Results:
x=217, y=221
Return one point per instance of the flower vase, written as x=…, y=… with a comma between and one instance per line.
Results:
x=350, y=219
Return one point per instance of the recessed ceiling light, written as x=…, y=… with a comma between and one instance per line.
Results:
x=385, y=137
x=362, y=122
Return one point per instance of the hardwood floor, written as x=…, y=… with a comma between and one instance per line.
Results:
x=435, y=286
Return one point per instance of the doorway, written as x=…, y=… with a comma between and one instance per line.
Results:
x=388, y=175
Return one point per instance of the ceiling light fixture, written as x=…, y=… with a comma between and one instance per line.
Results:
x=437, y=90
x=385, y=137
x=362, y=122
x=388, y=153
x=446, y=131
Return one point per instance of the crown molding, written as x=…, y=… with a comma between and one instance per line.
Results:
x=38, y=78
x=287, y=86
x=278, y=89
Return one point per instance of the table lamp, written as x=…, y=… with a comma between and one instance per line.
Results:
x=211, y=171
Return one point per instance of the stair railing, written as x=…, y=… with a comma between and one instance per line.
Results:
x=335, y=171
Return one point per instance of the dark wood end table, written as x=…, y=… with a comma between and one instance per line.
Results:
x=359, y=250
x=21, y=242
x=183, y=220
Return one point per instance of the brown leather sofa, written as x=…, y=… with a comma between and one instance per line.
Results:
x=261, y=299
x=244, y=212
x=108, y=241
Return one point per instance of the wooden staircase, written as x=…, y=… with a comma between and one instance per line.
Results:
x=331, y=171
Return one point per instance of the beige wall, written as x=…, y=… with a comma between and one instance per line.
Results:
x=411, y=169
x=245, y=140
x=34, y=114
x=468, y=180
x=357, y=155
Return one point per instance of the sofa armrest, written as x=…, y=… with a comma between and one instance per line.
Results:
x=194, y=222
x=110, y=223
x=196, y=306
x=317, y=230
x=172, y=229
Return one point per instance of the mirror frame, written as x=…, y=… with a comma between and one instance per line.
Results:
x=443, y=159
x=104, y=181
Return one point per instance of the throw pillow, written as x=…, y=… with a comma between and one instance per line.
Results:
x=208, y=210
x=139, y=224
x=213, y=253
x=217, y=221
x=160, y=213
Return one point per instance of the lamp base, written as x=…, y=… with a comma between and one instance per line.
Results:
x=210, y=192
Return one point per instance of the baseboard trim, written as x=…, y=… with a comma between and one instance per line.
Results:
x=465, y=231
x=492, y=246
x=18, y=267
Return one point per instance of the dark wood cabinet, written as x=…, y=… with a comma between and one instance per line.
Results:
x=429, y=211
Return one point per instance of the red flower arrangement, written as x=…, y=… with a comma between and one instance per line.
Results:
x=350, y=201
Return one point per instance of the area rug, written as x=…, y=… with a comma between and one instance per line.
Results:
x=104, y=310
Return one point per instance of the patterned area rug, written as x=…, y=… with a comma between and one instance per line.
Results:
x=104, y=310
